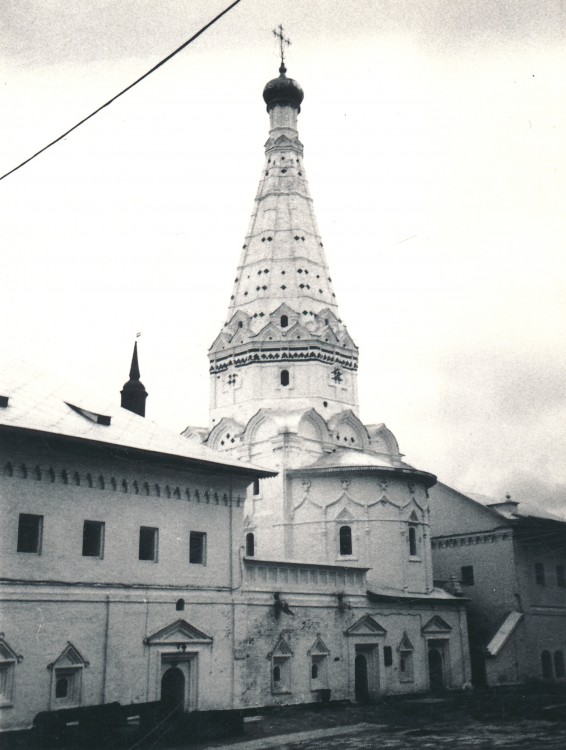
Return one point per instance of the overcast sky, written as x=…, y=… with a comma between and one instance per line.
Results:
x=435, y=148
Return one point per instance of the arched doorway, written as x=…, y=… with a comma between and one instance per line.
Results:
x=436, y=669
x=173, y=691
x=361, y=678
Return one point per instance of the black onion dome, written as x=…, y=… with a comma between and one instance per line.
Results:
x=283, y=91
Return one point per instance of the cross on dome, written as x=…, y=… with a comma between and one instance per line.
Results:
x=278, y=32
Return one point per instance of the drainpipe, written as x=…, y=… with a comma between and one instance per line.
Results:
x=105, y=656
x=232, y=595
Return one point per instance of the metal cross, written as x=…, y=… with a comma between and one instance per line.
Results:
x=278, y=32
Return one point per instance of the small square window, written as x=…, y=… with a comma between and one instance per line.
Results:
x=539, y=574
x=197, y=548
x=93, y=539
x=467, y=575
x=560, y=576
x=148, y=543
x=30, y=528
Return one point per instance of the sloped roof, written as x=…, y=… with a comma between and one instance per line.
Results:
x=41, y=402
x=516, y=509
x=344, y=459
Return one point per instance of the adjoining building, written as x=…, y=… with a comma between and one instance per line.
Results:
x=509, y=559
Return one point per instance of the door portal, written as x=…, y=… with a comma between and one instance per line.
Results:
x=436, y=669
x=361, y=678
x=173, y=691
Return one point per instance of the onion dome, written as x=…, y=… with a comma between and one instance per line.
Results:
x=283, y=91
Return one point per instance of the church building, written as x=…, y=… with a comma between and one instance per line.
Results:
x=283, y=395
x=281, y=555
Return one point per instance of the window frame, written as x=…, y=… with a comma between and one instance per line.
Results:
x=154, y=543
x=73, y=675
x=345, y=543
x=467, y=575
x=38, y=530
x=201, y=536
x=283, y=684
x=101, y=527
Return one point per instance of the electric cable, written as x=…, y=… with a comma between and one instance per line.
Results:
x=138, y=80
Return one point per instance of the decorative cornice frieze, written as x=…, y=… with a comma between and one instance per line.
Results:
x=103, y=482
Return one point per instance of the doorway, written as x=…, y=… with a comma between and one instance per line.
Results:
x=361, y=678
x=436, y=667
x=173, y=691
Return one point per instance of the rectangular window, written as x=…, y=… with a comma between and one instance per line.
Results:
x=467, y=575
x=539, y=574
x=406, y=666
x=6, y=682
x=68, y=686
x=93, y=539
x=560, y=576
x=197, y=548
x=281, y=674
x=148, y=543
x=30, y=529
x=387, y=656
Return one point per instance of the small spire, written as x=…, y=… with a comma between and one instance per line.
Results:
x=135, y=368
x=133, y=394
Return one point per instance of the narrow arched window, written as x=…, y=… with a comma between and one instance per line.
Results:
x=412, y=541
x=277, y=673
x=314, y=671
x=180, y=605
x=345, y=540
x=546, y=663
x=284, y=321
x=250, y=545
x=559, y=665
x=285, y=377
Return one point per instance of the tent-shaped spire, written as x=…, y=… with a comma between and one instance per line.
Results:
x=133, y=394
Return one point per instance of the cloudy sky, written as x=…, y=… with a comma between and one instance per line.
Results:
x=435, y=148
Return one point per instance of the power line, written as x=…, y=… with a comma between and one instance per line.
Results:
x=131, y=86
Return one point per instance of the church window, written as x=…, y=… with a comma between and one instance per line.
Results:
x=30, y=531
x=93, y=539
x=284, y=321
x=319, y=671
x=240, y=324
x=387, y=656
x=284, y=377
x=559, y=671
x=406, y=666
x=180, y=605
x=197, y=548
x=256, y=487
x=250, y=544
x=281, y=674
x=467, y=575
x=345, y=539
x=546, y=664
x=67, y=685
x=148, y=543
x=8, y=661
x=560, y=576
x=413, y=546
x=539, y=574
